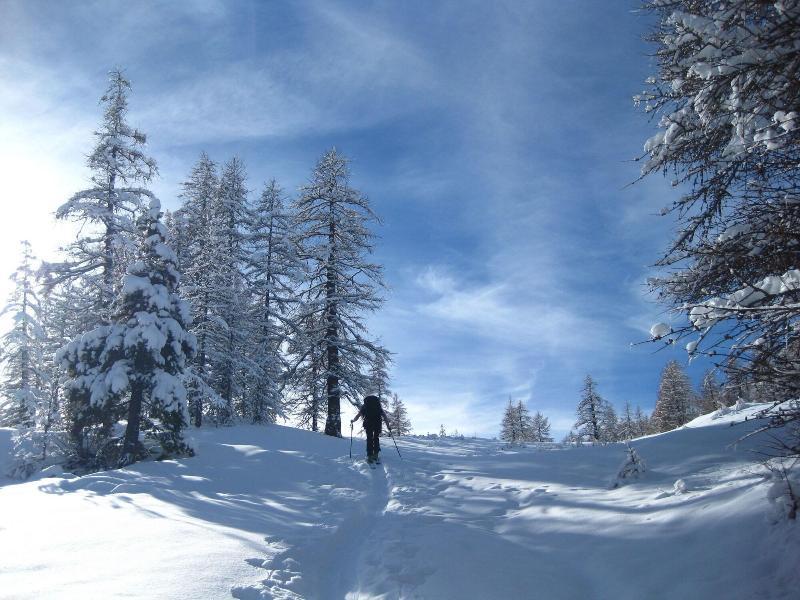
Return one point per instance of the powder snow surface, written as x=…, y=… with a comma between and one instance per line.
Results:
x=274, y=512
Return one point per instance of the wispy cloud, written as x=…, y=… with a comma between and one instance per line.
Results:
x=493, y=138
x=504, y=312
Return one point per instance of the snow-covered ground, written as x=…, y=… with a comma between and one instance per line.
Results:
x=274, y=512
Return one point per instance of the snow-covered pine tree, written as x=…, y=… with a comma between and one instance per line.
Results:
x=726, y=90
x=273, y=269
x=107, y=211
x=133, y=368
x=627, y=424
x=202, y=267
x=710, y=397
x=633, y=467
x=308, y=401
x=674, y=404
x=540, y=428
x=524, y=422
x=379, y=375
x=517, y=425
x=177, y=231
x=59, y=304
x=44, y=443
x=442, y=431
x=590, y=412
x=379, y=378
x=609, y=423
x=642, y=422
x=22, y=388
x=398, y=416
x=508, y=427
x=231, y=363
x=342, y=285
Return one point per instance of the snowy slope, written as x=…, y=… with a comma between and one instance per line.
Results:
x=280, y=513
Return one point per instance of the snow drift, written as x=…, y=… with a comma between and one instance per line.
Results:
x=274, y=512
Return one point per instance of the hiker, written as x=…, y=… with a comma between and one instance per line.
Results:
x=373, y=412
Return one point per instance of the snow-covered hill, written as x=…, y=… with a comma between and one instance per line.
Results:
x=274, y=512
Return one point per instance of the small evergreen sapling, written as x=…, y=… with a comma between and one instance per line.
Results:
x=632, y=467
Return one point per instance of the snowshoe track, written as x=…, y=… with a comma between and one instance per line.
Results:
x=326, y=564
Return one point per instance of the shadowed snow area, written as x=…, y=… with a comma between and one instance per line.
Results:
x=274, y=512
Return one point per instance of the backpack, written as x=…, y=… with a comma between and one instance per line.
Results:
x=372, y=410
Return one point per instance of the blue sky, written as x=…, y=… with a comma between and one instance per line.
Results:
x=495, y=140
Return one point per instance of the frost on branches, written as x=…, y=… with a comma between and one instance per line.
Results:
x=133, y=369
x=519, y=427
x=107, y=211
x=674, y=405
x=632, y=467
x=728, y=108
x=272, y=271
x=597, y=420
x=23, y=382
x=398, y=416
x=192, y=224
x=341, y=285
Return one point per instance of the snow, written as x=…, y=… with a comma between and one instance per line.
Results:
x=659, y=330
x=274, y=512
x=768, y=288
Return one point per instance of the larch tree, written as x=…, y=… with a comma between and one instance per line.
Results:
x=379, y=378
x=201, y=264
x=107, y=211
x=728, y=103
x=231, y=364
x=642, y=422
x=398, y=416
x=627, y=424
x=609, y=423
x=133, y=368
x=273, y=271
x=524, y=422
x=674, y=404
x=22, y=388
x=540, y=428
x=59, y=305
x=305, y=375
x=342, y=284
x=517, y=425
x=590, y=412
x=508, y=426
x=710, y=397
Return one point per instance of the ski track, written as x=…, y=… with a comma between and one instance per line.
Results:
x=326, y=564
x=473, y=520
x=375, y=551
x=453, y=519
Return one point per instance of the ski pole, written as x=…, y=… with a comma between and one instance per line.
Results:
x=351, y=439
x=395, y=445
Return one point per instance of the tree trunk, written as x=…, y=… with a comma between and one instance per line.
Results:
x=108, y=247
x=130, y=446
x=201, y=362
x=333, y=424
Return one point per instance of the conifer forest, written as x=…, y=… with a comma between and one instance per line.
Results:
x=400, y=301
